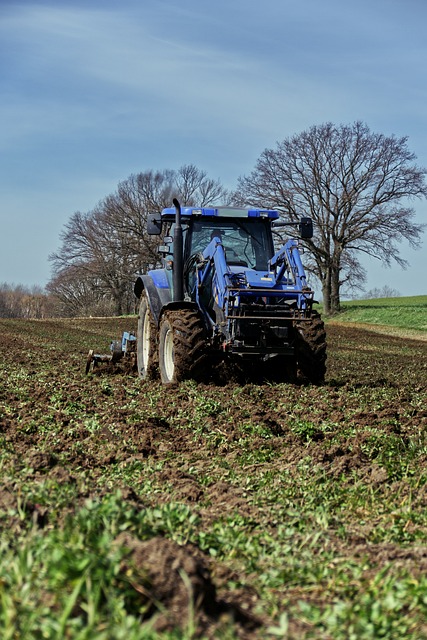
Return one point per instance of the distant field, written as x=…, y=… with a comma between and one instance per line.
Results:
x=409, y=313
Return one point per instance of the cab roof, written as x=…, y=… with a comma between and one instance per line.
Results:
x=221, y=212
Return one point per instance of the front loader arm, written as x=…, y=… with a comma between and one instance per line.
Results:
x=288, y=258
x=214, y=264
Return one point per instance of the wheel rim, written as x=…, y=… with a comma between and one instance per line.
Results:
x=146, y=341
x=169, y=354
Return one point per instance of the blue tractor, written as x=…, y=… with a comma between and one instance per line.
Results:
x=223, y=297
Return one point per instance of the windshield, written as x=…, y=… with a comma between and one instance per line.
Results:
x=246, y=242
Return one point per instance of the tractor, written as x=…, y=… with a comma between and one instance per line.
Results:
x=225, y=298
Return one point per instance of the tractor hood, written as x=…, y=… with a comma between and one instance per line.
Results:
x=257, y=279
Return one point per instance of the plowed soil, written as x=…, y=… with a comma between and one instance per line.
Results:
x=58, y=423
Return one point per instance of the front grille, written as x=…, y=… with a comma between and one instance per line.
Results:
x=264, y=312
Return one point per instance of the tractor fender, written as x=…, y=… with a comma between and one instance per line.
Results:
x=158, y=297
x=177, y=305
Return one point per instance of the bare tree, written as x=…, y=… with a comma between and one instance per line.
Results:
x=79, y=294
x=155, y=189
x=383, y=292
x=194, y=188
x=126, y=211
x=94, y=250
x=355, y=185
x=103, y=250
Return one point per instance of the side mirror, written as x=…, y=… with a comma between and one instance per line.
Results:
x=154, y=224
x=306, y=228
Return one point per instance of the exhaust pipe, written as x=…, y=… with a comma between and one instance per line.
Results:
x=178, y=263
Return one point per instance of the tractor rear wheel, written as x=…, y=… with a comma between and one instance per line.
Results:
x=146, y=345
x=183, y=350
x=310, y=345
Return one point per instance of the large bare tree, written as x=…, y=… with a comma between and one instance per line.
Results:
x=103, y=250
x=100, y=249
x=356, y=186
x=79, y=293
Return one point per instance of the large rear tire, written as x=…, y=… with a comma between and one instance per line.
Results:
x=146, y=345
x=311, y=345
x=183, y=350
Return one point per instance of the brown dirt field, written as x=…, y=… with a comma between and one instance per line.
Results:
x=50, y=356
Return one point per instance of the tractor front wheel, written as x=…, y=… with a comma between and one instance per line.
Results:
x=146, y=345
x=182, y=346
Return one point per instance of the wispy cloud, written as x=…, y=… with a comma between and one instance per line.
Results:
x=78, y=65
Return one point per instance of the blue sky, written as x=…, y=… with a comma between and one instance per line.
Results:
x=94, y=90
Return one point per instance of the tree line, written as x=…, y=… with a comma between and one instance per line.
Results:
x=356, y=185
x=17, y=301
x=103, y=250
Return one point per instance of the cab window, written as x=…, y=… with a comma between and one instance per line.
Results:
x=246, y=242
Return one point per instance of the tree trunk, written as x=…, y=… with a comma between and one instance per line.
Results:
x=335, y=290
x=331, y=290
x=326, y=291
x=118, y=302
